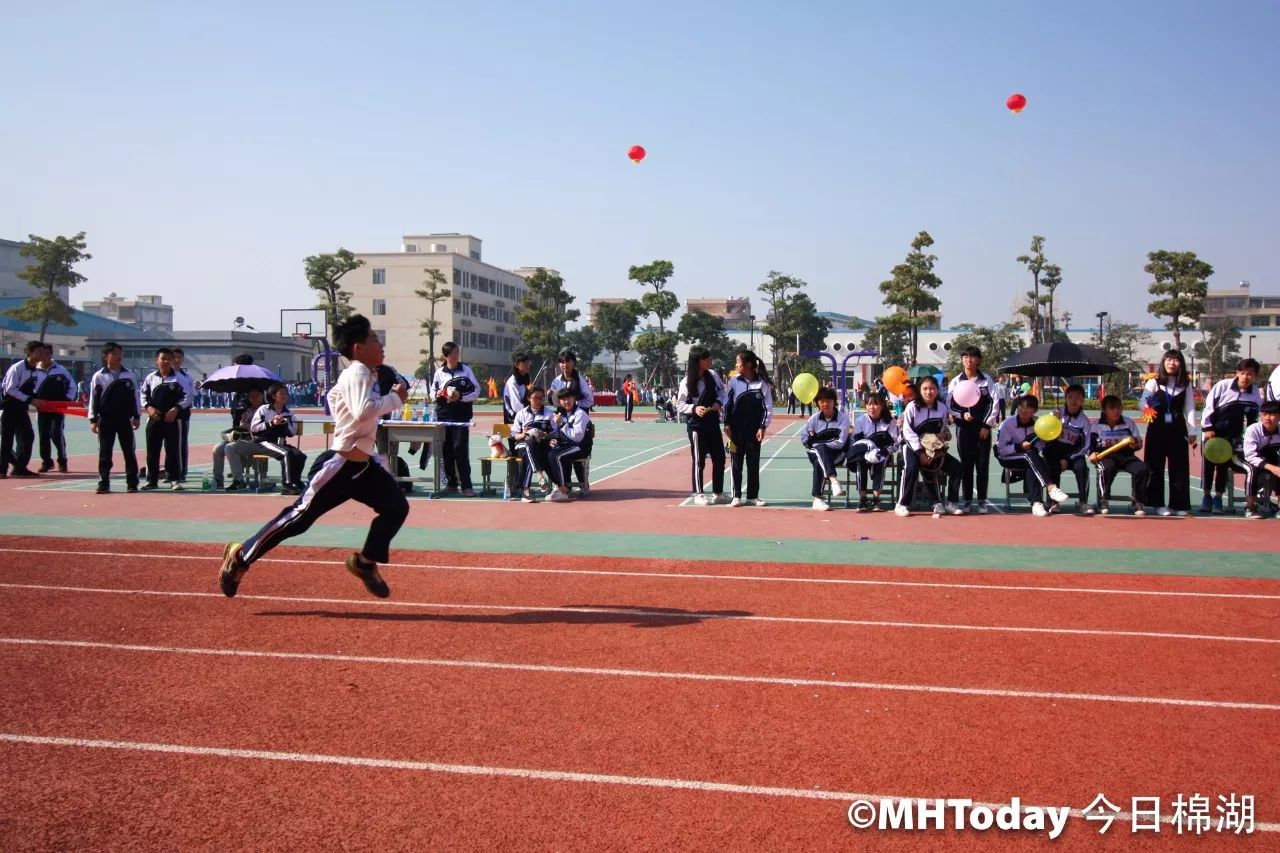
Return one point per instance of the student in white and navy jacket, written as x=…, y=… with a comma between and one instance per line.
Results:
x=17, y=439
x=1067, y=452
x=571, y=428
x=825, y=437
x=1262, y=456
x=515, y=392
x=874, y=440
x=60, y=386
x=974, y=426
x=271, y=426
x=113, y=416
x=570, y=377
x=747, y=416
x=1170, y=435
x=1230, y=407
x=1113, y=427
x=184, y=411
x=454, y=388
x=1018, y=449
x=924, y=416
x=701, y=399
x=531, y=431
x=163, y=394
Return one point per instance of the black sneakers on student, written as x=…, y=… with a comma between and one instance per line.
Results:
x=368, y=574
x=231, y=573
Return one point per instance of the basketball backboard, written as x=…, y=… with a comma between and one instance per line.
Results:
x=303, y=322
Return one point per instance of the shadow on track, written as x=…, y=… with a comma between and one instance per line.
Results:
x=582, y=614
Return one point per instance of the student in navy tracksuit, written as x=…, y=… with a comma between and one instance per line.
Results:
x=58, y=386
x=974, y=426
x=875, y=439
x=272, y=424
x=16, y=436
x=113, y=416
x=163, y=394
x=701, y=399
x=1230, y=407
x=515, y=393
x=454, y=388
x=184, y=411
x=1018, y=448
x=1262, y=456
x=825, y=437
x=923, y=416
x=568, y=442
x=1170, y=435
x=1067, y=452
x=1110, y=429
x=570, y=377
x=748, y=413
x=534, y=426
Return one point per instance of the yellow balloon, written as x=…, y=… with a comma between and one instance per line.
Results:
x=805, y=387
x=1048, y=427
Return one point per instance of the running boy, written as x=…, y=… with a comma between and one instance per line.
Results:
x=353, y=472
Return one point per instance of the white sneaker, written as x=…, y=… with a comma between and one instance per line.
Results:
x=1086, y=509
x=1038, y=510
x=1106, y=510
x=1056, y=494
x=1164, y=512
x=736, y=502
x=175, y=486
x=820, y=505
x=701, y=500
x=836, y=489
x=1182, y=513
x=558, y=497
x=939, y=509
x=1139, y=510
x=756, y=502
x=901, y=511
x=956, y=509
x=527, y=497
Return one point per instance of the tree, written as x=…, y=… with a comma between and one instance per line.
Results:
x=585, y=343
x=910, y=290
x=1219, y=347
x=698, y=328
x=1051, y=277
x=1122, y=341
x=891, y=337
x=323, y=274
x=1037, y=263
x=542, y=316
x=434, y=292
x=1182, y=280
x=662, y=303
x=996, y=342
x=52, y=270
x=775, y=289
x=657, y=351
x=616, y=323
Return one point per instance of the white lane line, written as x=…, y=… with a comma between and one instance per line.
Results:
x=613, y=462
x=684, y=576
x=679, y=442
x=1048, y=695
x=642, y=612
x=420, y=766
x=790, y=437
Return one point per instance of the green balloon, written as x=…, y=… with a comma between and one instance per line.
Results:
x=1026, y=387
x=1217, y=450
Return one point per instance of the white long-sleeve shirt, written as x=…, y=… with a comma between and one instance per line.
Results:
x=356, y=407
x=1151, y=396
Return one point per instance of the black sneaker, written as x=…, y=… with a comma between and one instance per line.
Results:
x=133, y=490
x=150, y=487
x=46, y=467
x=231, y=573
x=235, y=486
x=103, y=489
x=368, y=574
x=289, y=490
x=23, y=472
x=62, y=468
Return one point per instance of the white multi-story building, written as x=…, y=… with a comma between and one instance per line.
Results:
x=479, y=315
x=148, y=312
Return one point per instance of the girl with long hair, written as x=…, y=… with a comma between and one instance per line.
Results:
x=1170, y=435
x=701, y=399
x=748, y=413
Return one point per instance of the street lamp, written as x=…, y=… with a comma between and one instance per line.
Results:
x=1100, y=315
x=1251, y=337
x=752, y=347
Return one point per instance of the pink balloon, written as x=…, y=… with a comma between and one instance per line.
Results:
x=967, y=393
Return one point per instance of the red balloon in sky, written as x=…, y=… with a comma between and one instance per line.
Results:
x=636, y=153
x=1016, y=102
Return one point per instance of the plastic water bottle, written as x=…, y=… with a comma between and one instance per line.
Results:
x=407, y=413
x=205, y=485
x=506, y=489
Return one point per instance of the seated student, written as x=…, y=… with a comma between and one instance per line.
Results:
x=1067, y=451
x=272, y=424
x=875, y=438
x=572, y=424
x=1228, y=409
x=924, y=420
x=532, y=430
x=1017, y=449
x=1262, y=455
x=237, y=445
x=825, y=436
x=1109, y=430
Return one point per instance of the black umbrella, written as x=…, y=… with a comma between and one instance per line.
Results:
x=1060, y=358
x=240, y=379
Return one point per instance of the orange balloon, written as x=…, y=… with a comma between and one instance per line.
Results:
x=896, y=380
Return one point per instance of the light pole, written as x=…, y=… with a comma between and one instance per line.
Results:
x=1101, y=315
x=752, y=347
x=1251, y=337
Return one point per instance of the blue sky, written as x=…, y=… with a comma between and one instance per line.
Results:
x=207, y=149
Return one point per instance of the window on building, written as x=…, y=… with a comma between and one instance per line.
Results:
x=379, y=307
x=457, y=276
x=475, y=256
x=379, y=276
x=457, y=305
x=1260, y=320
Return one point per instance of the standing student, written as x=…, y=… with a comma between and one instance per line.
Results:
x=272, y=424
x=974, y=425
x=354, y=472
x=1262, y=456
x=16, y=436
x=58, y=386
x=532, y=430
x=568, y=442
x=1110, y=429
x=1170, y=435
x=701, y=399
x=926, y=416
x=1067, y=452
x=1018, y=449
x=825, y=436
x=162, y=395
x=570, y=377
x=1000, y=393
x=875, y=439
x=629, y=395
x=1230, y=406
x=515, y=393
x=454, y=388
x=748, y=413
x=184, y=409
x=113, y=416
